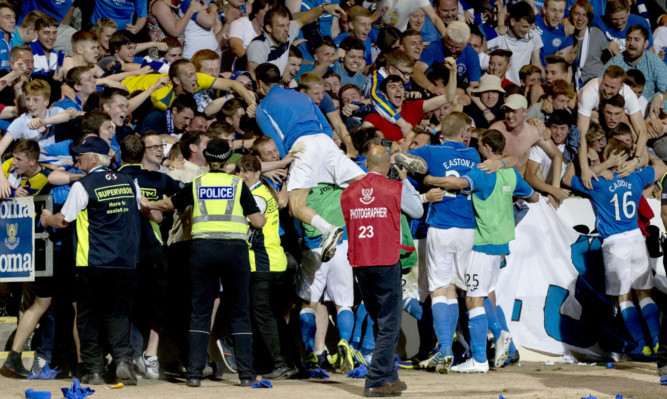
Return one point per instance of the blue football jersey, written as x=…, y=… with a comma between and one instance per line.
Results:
x=450, y=159
x=616, y=201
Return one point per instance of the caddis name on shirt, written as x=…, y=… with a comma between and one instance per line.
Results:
x=620, y=184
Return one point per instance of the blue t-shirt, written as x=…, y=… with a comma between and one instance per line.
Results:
x=616, y=201
x=482, y=185
x=368, y=44
x=450, y=159
x=4, y=53
x=429, y=32
x=619, y=36
x=553, y=40
x=66, y=103
x=467, y=64
x=326, y=20
x=54, y=8
x=121, y=11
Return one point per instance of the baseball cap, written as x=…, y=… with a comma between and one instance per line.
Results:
x=516, y=101
x=92, y=144
x=217, y=150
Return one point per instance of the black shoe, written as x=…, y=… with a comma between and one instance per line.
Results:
x=388, y=389
x=93, y=379
x=125, y=373
x=514, y=358
x=194, y=382
x=247, y=382
x=280, y=373
x=13, y=367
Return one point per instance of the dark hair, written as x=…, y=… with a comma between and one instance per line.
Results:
x=74, y=75
x=407, y=33
x=109, y=93
x=557, y=59
x=386, y=39
x=120, y=38
x=390, y=79
x=616, y=101
x=184, y=101
x=352, y=43
x=230, y=107
x=92, y=121
x=294, y=52
x=522, y=10
x=191, y=137
x=635, y=78
x=132, y=149
x=560, y=117
x=29, y=147
x=494, y=139
x=507, y=54
x=331, y=74
x=363, y=138
x=619, y=130
x=318, y=42
x=45, y=22
x=640, y=28
x=259, y=5
x=267, y=73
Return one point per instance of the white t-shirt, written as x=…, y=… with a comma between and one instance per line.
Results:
x=19, y=129
x=242, y=28
x=589, y=98
x=522, y=50
x=660, y=39
x=196, y=38
x=397, y=13
x=643, y=106
x=538, y=155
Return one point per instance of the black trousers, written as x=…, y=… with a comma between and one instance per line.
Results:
x=213, y=261
x=104, y=307
x=381, y=291
x=661, y=300
x=267, y=305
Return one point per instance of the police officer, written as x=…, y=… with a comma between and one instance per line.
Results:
x=223, y=205
x=105, y=205
x=372, y=210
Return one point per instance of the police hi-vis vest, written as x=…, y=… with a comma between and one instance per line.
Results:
x=217, y=211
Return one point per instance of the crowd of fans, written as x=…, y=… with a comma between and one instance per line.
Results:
x=564, y=82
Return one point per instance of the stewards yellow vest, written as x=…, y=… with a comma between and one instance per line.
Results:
x=217, y=211
x=266, y=253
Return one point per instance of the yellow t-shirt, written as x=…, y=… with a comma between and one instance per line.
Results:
x=164, y=96
x=36, y=183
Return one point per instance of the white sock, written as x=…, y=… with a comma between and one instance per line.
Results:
x=320, y=224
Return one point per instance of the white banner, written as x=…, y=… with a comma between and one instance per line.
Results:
x=552, y=286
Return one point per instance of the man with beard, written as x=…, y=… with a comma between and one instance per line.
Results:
x=597, y=90
x=654, y=69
